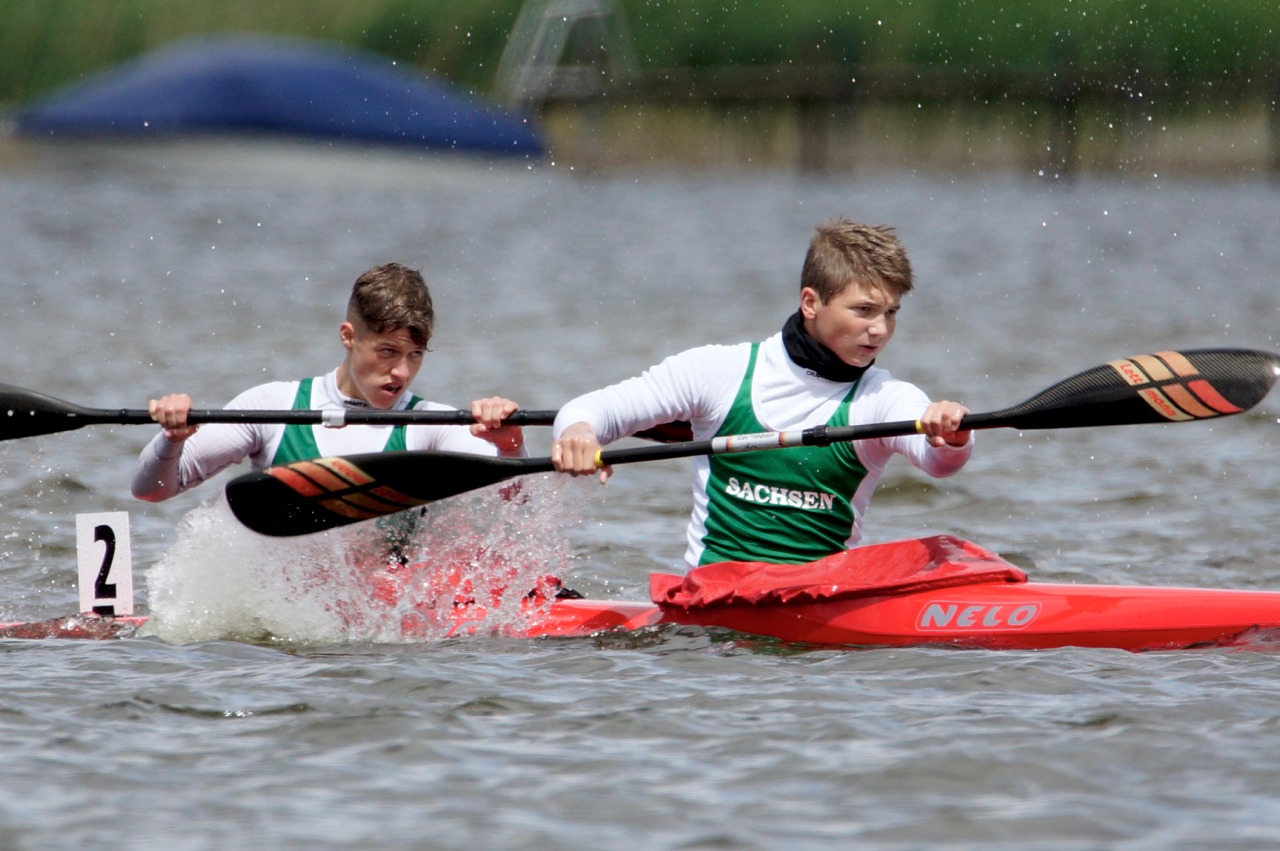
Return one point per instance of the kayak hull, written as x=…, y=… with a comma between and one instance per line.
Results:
x=1028, y=616
x=994, y=616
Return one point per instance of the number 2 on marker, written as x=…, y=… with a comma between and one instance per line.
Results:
x=105, y=562
x=102, y=589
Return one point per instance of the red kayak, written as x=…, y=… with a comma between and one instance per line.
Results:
x=1026, y=616
x=939, y=591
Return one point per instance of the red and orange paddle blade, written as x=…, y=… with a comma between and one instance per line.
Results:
x=1164, y=387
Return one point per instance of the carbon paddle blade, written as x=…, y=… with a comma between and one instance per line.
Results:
x=24, y=413
x=311, y=496
x=1169, y=386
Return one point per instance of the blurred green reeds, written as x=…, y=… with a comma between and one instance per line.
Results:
x=48, y=43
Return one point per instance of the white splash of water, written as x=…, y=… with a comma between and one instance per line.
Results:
x=470, y=566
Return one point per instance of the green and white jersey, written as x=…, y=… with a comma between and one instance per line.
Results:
x=779, y=506
x=719, y=389
x=300, y=443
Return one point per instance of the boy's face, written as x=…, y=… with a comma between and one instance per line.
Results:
x=379, y=367
x=856, y=324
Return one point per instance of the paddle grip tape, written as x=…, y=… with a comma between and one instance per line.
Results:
x=333, y=417
x=752, y=442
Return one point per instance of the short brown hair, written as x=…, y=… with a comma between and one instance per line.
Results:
x=842, y=253
x=390, y=297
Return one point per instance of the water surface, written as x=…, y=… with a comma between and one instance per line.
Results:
x=131, y=273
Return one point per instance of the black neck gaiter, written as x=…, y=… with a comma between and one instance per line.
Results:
x=809, y=354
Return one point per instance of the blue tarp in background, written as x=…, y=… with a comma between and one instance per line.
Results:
x=282, y=87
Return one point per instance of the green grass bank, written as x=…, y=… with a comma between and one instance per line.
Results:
x=47, y=43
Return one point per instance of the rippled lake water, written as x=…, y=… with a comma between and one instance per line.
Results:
x=243, y=720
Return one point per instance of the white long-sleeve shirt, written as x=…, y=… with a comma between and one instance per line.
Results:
x=699, y=385
x=166, y=469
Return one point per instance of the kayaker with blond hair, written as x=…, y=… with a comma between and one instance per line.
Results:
x=797, y=504
x=388, y=326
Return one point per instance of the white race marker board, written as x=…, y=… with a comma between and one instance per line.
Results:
x=106, y=563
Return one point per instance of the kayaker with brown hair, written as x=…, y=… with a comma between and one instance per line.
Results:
x=386, y=332
x=797, y=504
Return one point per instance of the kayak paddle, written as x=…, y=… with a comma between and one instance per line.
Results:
x=25, y=413
x=1166, y=387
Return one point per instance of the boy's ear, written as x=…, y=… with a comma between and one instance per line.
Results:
x=809, y=302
